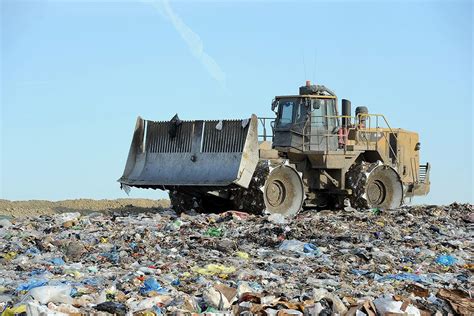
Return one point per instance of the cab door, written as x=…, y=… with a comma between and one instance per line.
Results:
x=323, y=126
x=290, y=124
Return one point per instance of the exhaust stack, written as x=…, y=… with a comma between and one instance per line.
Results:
x=361, y=115
x=346, y=111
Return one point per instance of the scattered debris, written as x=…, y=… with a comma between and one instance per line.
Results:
x=411, y=261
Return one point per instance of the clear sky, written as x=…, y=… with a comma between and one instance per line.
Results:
x=76, y=74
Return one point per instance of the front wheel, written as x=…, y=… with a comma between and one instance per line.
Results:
x=183, y=202
x=284, y=191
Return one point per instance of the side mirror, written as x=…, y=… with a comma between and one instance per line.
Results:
x=274, y=105
x=316, y=104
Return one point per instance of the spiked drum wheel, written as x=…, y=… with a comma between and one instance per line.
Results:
x=283, y=191
x=375, y=185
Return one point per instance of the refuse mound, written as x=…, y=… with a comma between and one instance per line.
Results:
x=409, y=261
x=84, y=206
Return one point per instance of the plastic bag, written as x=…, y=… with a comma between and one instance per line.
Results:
x=386, y=304
x=446, y=260
x=33, y=283
x=51, y=293
x=151, y=285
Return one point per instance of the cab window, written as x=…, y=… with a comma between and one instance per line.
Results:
x=331, y=110
x=324, y=112
x=301, y=112
x=319, y=112
x=286, y=113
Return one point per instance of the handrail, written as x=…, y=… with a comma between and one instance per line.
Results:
x=353, y=123
x=263, y=124
x=385, y=136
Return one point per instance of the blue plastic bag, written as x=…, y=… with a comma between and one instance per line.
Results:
x=151, y=285
x=176, y=282
x=33, y=251
x=31, y=284
x=58, y=261
x=113, y=256
x=402, y=277
x=310, y=248
x=359, y=272
x=446, y=260
x=91, y=282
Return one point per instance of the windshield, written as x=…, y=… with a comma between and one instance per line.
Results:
x=291, y=111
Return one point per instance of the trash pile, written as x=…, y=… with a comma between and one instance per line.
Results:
x=410, y=261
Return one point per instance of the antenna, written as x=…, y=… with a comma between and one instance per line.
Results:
x=304, y=66
x=314, y=69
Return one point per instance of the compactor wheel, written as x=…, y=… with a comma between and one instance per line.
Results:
x=183, y=202
x=284, y=192
x=202, y=203
x=251, y=199
x=375, y=185
x=232, y=198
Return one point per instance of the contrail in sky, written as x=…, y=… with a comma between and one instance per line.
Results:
x=192, y=39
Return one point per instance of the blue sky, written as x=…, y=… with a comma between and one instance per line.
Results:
x=75, y=74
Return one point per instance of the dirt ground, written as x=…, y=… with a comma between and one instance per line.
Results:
x=84, y=206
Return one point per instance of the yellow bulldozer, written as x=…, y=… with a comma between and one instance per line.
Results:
x=313, y=157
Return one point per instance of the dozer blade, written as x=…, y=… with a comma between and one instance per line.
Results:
x=192, y=153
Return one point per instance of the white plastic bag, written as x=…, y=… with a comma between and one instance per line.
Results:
x=34, y=309
x=386, y=304
x=292, y=245
x=66, y=217
x=52, y=293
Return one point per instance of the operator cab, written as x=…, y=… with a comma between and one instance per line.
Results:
x=304, y=121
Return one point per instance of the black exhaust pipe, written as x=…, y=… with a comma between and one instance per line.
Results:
x=346, y=111
x=361, y=115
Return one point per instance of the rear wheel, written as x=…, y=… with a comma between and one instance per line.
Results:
x=375, y=185
x=284, y=192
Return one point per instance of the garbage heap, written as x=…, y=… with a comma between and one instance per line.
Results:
x=410, y=261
